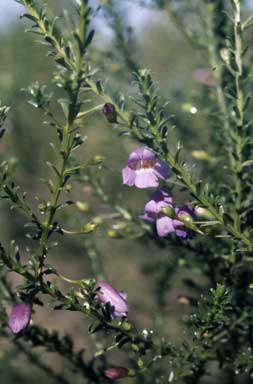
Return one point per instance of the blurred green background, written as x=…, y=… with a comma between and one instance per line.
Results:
x=155, y=43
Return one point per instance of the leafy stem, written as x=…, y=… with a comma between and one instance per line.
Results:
x=239, y=110
x=71, y=77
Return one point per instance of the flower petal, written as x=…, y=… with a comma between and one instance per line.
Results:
x=139, y=155
x=151, y=208
x=162, y=170
x=147, y=154
x=136, y=155
x=164, y=226
x=147, y=217
x=160, y=199
x=128, y=176
x=180, y=230
x=146, y=178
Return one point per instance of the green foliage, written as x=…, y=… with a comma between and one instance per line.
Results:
x=219, y=327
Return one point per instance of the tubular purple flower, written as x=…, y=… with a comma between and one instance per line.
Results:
x=164, y=224
x=19, y=318
x=117, y=300
x=144, y=170
x=116, y=373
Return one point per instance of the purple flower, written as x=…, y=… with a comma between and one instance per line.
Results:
x=144, y=170
x=164, y=224
x=116, y=373
x=117, y=300
x=19, y=318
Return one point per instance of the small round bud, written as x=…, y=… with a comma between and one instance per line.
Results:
x=201, y=155
x=98, y=159
x=84, y=207
x=110, y=112
x=90, y=227
x=68, y=188
x=97, y=220
x=183, y=300
x=127, y=326
x=112, y=233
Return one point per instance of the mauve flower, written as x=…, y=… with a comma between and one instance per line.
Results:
x=116, y=373
x=117, y=300
x=164, y=224
x=204, y=76
x=19, y=318
x=144, y=170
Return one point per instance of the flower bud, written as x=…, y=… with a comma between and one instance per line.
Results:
x=19, y=318
x=113, y=234
x=169, y=211
x=183, y=300
x=84, y=207
x=117, y=300
x=201, y=155
x=116, y=373
x=225, y=55
x=203, y=212
x=97, y=160
x=110, y=112
x=186, y=217
x=88, y=228
x=98, y=220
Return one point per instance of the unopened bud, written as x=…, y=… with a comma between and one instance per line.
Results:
x=201, y=155
x=90, y=227
x=110, y=112
x=183, y=300
x=113, y=234
x=97, y=220
x=203, y=212
x=186, y=217
x=84, y=207
x=168, y=211
x=116, y=373
x=224, y=52
x=97, y=160
x=19, y=318
x=127, y=326
x=68, y=187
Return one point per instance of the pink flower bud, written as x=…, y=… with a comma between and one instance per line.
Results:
x=116, y=373
x=19, y=318
x=109, y=295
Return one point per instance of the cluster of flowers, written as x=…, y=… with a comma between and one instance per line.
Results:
x=143, y=170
